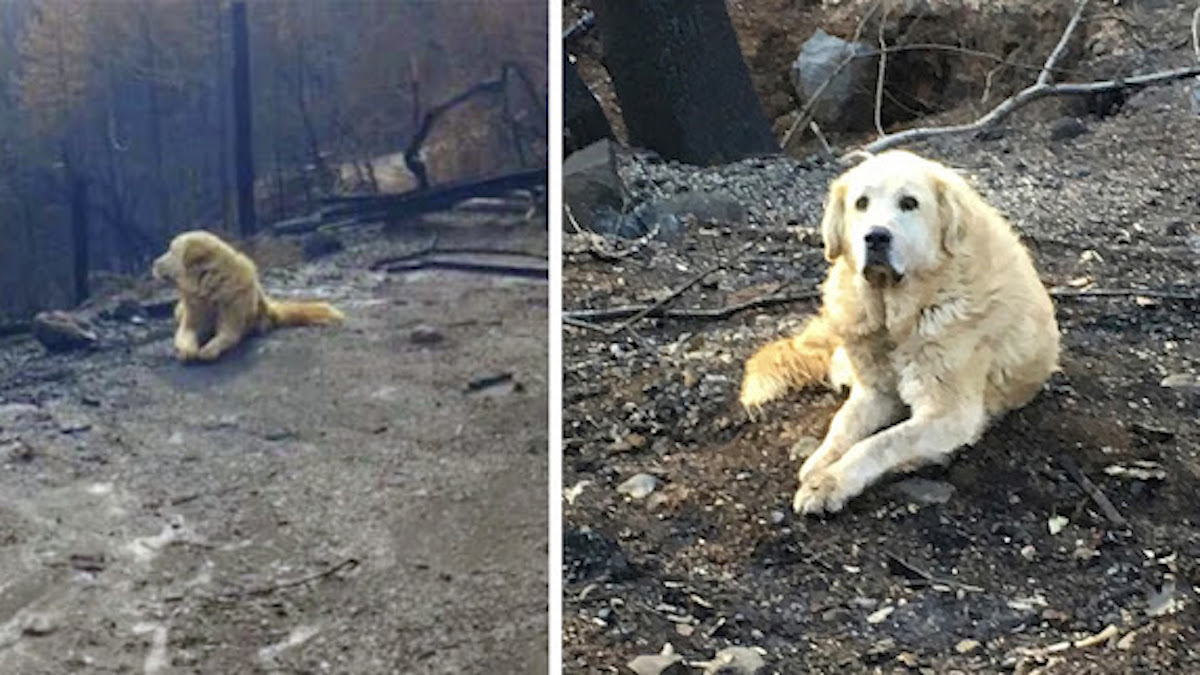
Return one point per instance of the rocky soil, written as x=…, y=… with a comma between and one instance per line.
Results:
x=677, y=522
x=349, y=499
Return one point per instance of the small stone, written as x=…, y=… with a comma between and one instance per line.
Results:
x=425, y=335
x=966, y=646
x=37, y=625
x=733, y=661
x=1028, y=552
x=908, y=659
x=803, y=447
x=880, y=615
x=636, y=441
x=639, y=486
x=924, y=492
x=1066, y=128
x=1057, y=523
x=685, y=629
x=662, y=663
x=320, y=244
x=61, y=332
x=777, y=517
x=1182, y=381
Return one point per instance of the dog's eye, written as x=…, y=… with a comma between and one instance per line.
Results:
x=861, y=204
x=908, y=203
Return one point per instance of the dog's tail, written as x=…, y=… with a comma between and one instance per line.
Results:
x=303, y=313
x=794, y=362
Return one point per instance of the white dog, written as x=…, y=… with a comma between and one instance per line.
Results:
x=932, y=310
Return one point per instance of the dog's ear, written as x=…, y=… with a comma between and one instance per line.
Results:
x=957, y=206
x=831, y=223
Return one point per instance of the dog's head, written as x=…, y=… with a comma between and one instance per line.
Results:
x=188, y=251
x=896, y=214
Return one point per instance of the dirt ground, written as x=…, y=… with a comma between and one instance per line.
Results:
x=324, y=500
x=959, y=571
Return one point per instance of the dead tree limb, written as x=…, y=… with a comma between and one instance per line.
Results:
x=347, y=564
x=1042, y=88
x=413, y=158
x=715, y=314
x=1064, y=294
x=1106, y=506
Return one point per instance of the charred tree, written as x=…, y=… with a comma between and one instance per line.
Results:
x=584, y=122
x=243, y=138
x=682, y=83
x=79, y=234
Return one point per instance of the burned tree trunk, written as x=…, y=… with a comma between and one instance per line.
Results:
x=684, y=88
x=243, y=138
x=584, y=122
x=79, y=234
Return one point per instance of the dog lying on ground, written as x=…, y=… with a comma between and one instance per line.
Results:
x=931, y=308
x=220, y=298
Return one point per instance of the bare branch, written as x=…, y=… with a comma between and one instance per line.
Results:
x=1061, y=48
x=879, y=80
x=1196, y=33
x=1026, y=96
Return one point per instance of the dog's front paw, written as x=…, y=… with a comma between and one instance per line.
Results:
x=821, y=492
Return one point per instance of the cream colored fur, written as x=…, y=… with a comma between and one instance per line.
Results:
x=220, y=299
x=965, y=333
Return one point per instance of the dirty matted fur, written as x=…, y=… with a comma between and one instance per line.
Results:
x=220, y=298
x=932, y=313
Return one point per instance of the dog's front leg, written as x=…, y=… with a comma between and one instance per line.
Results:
x=929, y=436
x=865, y=411
x=187, y=341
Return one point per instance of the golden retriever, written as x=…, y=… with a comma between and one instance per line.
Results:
x=220, y=298
x=932, y=309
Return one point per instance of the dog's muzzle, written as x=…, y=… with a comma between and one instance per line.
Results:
x=877, y=265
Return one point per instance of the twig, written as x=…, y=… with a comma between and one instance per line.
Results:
x=385, y=263
x=1061, y=48
x=879, y=80
x=821, y=137
x=583, y=317
x=913, y=572
x=660, y=303
x=348, y=563
x=1110, y=512
x=511, y=270
x=1196, y=33
x=1063, y=293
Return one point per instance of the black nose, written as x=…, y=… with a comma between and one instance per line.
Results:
x=878, y=239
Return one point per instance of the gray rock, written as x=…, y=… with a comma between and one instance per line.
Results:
x=61, y=332
x=1065, y=128
x=591, y=184
x=320, y=244
x=733, y=661
x=1182, y=381
x=425, y=335
x=923, y=492
x=666, y=662
x=639, y=486
x=847, y=102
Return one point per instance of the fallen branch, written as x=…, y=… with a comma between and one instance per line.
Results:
x=390, y=261
x=510, y=270
x=1042, y=88
x=1110, y=512
x=907, y=569
x=1065, y=294
x=582, y=316
x=348, y=563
